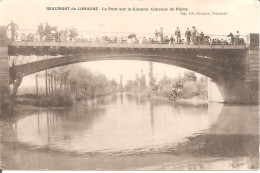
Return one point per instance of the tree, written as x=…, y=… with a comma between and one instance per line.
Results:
x=130, y=85
x=151, y=80
x=190, y=76
x=121, y=82
x=142, y=82
x=36, y=83
x=113, y=85
x=17, y=83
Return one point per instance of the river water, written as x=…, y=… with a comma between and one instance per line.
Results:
x=134, y=132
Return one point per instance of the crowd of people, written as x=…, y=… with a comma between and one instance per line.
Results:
x=50, y=33
x=44, y=33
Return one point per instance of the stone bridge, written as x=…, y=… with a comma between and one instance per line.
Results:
x=234, y=68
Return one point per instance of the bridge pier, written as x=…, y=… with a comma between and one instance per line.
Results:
x=240, y=91
x=4, y=77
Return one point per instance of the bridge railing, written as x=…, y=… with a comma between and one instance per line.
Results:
x=20, y=59
x=125, y=38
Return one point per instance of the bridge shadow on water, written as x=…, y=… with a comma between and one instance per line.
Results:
x=233, y=133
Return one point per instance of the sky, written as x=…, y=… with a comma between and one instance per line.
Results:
x=242, y=15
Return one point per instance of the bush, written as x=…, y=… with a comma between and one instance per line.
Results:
x=56, y=99
x=28, y=96
x=194, y=89
x=61, y=99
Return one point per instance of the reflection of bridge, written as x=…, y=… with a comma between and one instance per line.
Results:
x=233, y=68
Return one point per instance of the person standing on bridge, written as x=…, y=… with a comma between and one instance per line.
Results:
x=14, y=28
x=201, y=38
x=171, y=40
x=194, y=34
x=156, y=34
x=237, y=37
x=188, y=35
x=161, y=34
x=232, y=38
x=178, y=34
x=40, y=31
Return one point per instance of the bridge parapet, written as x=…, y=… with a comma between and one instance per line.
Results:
x=123, y=37
x=253, y=41
x=117, y=45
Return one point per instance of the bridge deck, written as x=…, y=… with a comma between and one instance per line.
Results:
x=120, y=45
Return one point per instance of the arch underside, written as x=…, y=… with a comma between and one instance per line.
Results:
x=210, y=67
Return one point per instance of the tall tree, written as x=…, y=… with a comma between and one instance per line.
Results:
x=46, y=82
x=121, y=82
x=151, y=79
x=37, y=84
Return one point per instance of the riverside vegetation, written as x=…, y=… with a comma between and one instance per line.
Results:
x=73, y=83
x=194, y=89
x=67, y=84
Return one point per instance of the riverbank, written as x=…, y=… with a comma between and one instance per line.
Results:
x=66, y=100
x=195, y=101
x=58, y=100
x=28, y=104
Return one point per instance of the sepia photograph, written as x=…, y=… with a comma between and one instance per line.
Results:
x=129, y=85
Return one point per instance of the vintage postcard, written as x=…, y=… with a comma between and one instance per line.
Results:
x=129, y=85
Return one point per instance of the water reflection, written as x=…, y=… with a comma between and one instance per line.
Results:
x=123, y=124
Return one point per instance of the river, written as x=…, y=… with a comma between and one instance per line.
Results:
x=134, y=132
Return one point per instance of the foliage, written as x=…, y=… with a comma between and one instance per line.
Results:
x=68, y=83
x=191, y=86
x=136, y=85
x=83, y=82
x=56, y=99
x=189, y=76
x=28, y=96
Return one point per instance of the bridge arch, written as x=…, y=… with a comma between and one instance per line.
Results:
x=225, y=66
x=195, y=61
x=203, y=68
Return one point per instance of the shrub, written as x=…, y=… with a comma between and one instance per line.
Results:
x=55, y=99
x=28, y=96
x=60, y=99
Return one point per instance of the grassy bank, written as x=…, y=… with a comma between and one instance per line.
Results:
x=196, y=100
x=54, y=100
